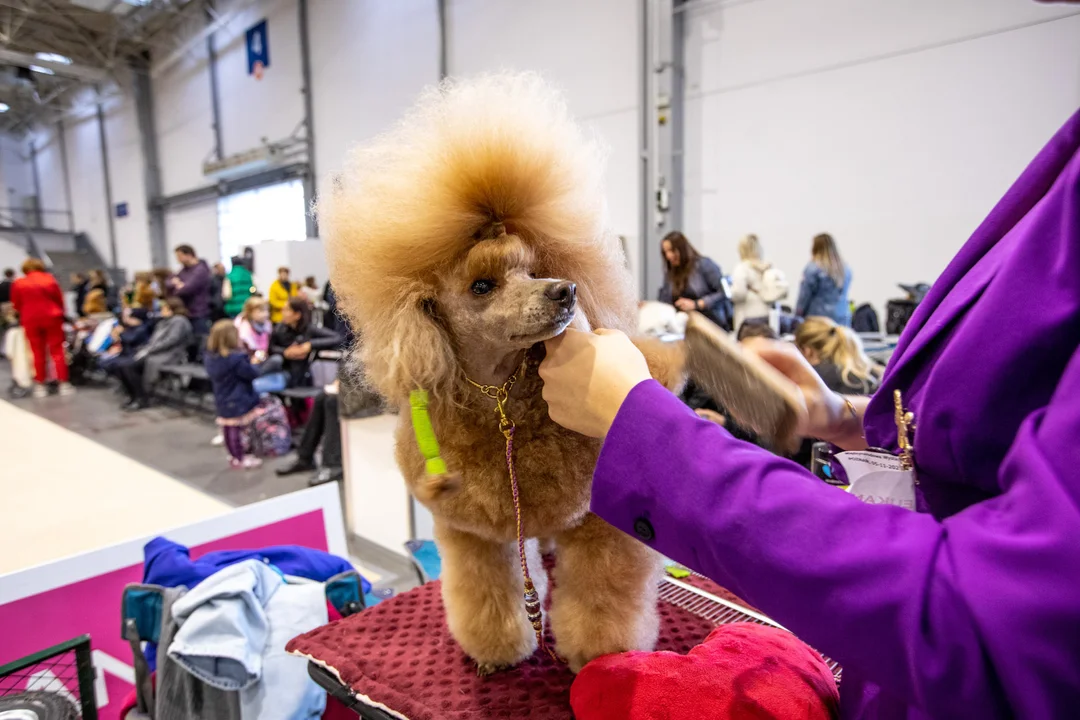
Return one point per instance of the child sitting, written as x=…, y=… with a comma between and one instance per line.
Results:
x=231, y=374
x=253, y=324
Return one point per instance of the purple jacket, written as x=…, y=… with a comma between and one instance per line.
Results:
x=970, y=609
x=196, y=290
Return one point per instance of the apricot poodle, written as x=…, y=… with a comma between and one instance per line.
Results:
x=458, y=242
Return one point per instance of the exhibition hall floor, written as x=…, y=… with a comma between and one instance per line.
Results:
x=78, y=474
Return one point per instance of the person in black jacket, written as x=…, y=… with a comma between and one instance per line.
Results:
x=167, y=345
x=5, y=285
x=294, y=341
x=693, y=281
x=80, y=286
x=231, y=375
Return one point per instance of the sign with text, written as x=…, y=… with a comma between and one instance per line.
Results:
x=258, y=49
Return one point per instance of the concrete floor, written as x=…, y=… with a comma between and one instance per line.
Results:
x=171, y=441
x=177, y=443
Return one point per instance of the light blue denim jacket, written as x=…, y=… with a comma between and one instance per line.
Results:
x=233, y=629
x=820, y=296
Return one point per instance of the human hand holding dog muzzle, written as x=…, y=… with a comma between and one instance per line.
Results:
x=587, y=376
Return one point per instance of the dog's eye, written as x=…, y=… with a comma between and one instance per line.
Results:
x=482, y=287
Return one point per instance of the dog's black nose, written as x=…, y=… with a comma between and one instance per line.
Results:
x=562, y=292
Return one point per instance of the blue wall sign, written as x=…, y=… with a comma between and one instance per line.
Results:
x=121, y=210
x=258, y=48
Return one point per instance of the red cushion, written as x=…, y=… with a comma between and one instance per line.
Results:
x=741, y=671
x=399, y=654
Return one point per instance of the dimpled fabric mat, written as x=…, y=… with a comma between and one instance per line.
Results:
x=400, y=655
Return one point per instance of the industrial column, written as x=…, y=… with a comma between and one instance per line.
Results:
x=662, y=123
x=310, y=185
x=109, y=210
x=144, y=109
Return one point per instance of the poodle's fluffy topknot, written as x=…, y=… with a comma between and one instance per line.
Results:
x=498, y=148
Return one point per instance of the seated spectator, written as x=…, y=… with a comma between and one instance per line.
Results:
x=140, y=306
x=323, y=427
x=294, y=340
x=80, y=286
x=159, y=282
x=836, y=353
x=167, y=345
x=254, y=328
x=96, y=307
x=98, y=280
x=756, y=328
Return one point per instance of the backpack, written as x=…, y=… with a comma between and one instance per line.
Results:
x=865, y=320
x=897, y=315
x=268, y=435
x=774, y=285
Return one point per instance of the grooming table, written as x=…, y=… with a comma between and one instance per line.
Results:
x=397, y=659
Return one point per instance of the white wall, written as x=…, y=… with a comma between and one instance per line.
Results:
x=590, y=50
x=369, y=60
x=893, y=126
x=16, y=178
x=88, y=208
x=128, y=177
x=197, y=226
x=51, y=174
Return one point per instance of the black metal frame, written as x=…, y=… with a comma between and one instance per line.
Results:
x=341, y=692
x=84, y=666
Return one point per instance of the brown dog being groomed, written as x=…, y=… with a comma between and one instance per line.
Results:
x=458, y=243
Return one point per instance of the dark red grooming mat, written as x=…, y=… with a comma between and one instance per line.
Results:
x=400, y=655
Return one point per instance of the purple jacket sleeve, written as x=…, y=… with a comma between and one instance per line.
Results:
x=974, y=616
x=196, y=283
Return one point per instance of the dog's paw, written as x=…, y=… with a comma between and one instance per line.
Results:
x=486, y=669
x=433, y=488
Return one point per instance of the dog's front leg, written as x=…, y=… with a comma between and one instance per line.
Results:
x=482, y=590
x=604, y=599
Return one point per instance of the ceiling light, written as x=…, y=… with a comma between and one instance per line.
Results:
x=53, y=57
x=42, y=70
x=4, y=107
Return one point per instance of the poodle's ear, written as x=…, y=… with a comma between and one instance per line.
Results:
x=409, y=350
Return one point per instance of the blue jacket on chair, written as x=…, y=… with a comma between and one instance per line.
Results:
x=231, y=376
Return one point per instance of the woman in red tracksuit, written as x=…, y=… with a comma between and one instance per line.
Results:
x=40, y=303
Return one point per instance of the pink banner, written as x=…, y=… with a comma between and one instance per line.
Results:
x=92, y=606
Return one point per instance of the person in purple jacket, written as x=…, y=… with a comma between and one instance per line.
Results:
x=192, y=285
x=966, y=608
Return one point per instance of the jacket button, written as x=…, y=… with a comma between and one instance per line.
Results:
x=644, y=529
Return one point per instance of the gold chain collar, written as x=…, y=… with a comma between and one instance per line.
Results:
x=501, y=395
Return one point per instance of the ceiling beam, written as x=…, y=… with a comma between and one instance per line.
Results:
x=79, y=72
x=90, y=41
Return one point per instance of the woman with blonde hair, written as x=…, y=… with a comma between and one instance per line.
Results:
x=837, y=355
x=254, y=327
x=756, y=286
x=825, y=283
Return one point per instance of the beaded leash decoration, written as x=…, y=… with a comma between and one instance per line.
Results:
x=501, y=396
